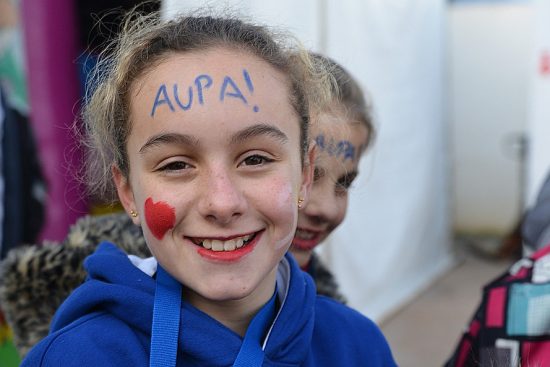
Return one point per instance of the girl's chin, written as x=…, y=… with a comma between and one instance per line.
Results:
x=219, y=293
x=304, y=245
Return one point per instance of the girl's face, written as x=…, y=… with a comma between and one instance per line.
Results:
x=215, y=171
x=339, y=145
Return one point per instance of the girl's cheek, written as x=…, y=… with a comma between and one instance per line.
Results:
x=286, y=206
x=283, y=197
x=160, y=217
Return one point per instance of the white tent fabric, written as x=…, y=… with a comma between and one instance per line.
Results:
x=395, y=240
x=539, y=116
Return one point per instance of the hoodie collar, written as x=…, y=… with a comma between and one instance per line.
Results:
x=116, y=286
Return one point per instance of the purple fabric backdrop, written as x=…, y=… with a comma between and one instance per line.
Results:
x=50, y=35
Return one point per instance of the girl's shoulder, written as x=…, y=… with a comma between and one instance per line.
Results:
x=87, y=342
x=331, y=311
x=343, y=328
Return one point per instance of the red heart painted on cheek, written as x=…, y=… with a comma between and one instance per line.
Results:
x=160, y=217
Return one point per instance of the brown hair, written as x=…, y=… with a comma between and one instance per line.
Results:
x=143, y=42
x=347, y=93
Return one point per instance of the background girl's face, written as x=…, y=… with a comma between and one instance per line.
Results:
x=339, y=146
x=215, y=171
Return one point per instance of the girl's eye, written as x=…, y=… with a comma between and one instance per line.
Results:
x=175, y=166
x=256, y=160
x=344, y=183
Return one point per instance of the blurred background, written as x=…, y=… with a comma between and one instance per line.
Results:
x=460, y=93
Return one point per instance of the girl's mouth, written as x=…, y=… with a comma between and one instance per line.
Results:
x=225, y=245
x=229, y=249
x=306, y=240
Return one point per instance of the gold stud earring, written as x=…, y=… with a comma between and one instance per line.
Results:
x=300, y=202
x=133, y=213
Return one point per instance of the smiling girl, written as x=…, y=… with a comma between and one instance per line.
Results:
x=342, y=130
x=203, y=123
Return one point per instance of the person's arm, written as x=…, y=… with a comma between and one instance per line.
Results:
x=466, y=353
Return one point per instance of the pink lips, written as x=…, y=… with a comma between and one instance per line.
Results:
x=306, y=244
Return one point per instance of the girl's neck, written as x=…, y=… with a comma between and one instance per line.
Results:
x=235, y=314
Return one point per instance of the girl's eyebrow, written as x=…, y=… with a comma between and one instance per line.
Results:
x=168, y=138
x=258, y=130
x=237, y=138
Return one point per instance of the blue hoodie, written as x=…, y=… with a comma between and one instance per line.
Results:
x=107, y=322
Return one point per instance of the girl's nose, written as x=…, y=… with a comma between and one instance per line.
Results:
x=322, y=205
x=222, y=198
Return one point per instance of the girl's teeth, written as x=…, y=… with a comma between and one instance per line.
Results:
x=306, y=235
x=229, y=245
x=217, y=245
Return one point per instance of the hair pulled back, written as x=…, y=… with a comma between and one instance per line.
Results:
x=347, y=93
x=143, y=43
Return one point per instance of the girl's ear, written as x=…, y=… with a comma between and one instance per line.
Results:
x=307, y=173
x=125, y=194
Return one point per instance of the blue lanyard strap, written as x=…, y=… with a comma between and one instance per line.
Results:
x=166, y=321
x=251, y=353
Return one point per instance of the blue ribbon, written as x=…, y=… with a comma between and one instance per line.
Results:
x=251, y=353
x=166, y=321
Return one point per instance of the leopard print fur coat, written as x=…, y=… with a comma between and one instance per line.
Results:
x=36, y=279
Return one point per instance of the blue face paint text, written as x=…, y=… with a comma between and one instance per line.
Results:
x=342, y=149
x=174, y=99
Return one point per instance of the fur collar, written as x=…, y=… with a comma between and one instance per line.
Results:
x=36, y=279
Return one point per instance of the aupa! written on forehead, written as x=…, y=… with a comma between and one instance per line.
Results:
x=201, y=87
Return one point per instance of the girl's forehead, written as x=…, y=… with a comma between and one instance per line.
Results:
x=182, y=80
x=338, y=123
x=338, y=138
x=212, y=60
x=208, y=90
